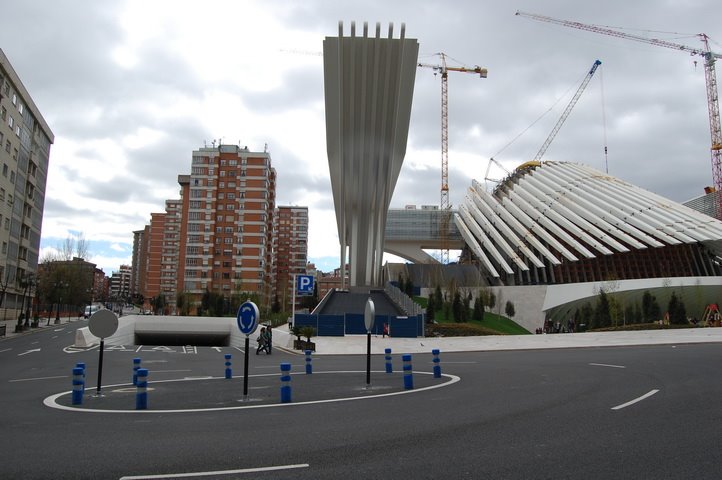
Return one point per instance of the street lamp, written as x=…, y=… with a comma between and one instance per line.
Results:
x=31, y=282
x=58, y=288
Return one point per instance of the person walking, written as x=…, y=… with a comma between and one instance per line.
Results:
x=261, y=341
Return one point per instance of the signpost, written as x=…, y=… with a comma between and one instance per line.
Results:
x=369, y=317
x=302, y=285
x=102, y=324
x=247, y=320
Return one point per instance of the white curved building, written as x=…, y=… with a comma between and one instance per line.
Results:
x=556, y=223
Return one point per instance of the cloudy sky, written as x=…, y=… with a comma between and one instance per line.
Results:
x=130, y=88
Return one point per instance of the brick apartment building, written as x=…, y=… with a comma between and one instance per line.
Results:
x=218, y=236
x=290, y=247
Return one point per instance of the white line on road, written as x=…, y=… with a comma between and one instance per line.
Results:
x=6, y=350
x=639, y=399
x=240, y=349
x=217, y=472
x=28, y=351
x=606, y=365
x=37, y=378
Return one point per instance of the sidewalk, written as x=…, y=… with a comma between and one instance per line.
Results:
x=356, y=344
x=42, y=323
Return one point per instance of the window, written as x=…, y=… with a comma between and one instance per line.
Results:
x=5, y=247
x=20, y=108
x=15, y=99
x=5, y=170
x=11, y=121
x=7, y=146
x=3, y=113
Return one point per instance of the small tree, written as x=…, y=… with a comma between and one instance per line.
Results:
x=478, y=309
x=456, y=307
x=430, y=306
x=438, y=298
x=677, y=311
x=308, y=332
x=509, y=309
x=602, y=316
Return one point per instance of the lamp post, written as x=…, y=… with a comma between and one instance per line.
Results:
x=59, y=286
x=30, y=283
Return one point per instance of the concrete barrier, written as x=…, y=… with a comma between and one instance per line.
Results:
x=84, y=339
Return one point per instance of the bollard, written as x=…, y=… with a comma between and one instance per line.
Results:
x=309, y=367
x=78, y=386
x=408, y=376
x=82, y=365
x=389, y=368
x=136, y=366
x=229, y=372
x=141, y=394
x=285, y=383
x=437, y=363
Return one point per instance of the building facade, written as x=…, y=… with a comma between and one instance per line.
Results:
x=218, y=237
x=119, y=284
x=290, y=251
x=25, y=141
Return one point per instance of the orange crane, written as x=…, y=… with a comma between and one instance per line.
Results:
x=710, y=77
x=444, y=69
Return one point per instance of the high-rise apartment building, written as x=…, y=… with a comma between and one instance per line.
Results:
x=290, y=247
x=137, y=279
x=25, y=140
x=119, y=284
x=228, y=205
x=218, y=237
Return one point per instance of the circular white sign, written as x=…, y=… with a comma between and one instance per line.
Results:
x=369, y=315
x=103, y=323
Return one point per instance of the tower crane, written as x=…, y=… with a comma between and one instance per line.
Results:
x=566, y=112
x=710, y=78
x=444, y=69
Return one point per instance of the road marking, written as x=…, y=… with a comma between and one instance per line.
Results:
x=51, y=401
x=28, y=351
x=217, y=349
x=217, y=472
x=602, y=365
x=6, y=350
x=240, y=349
x=37, y=378
x=638, y=399
x=34, y=343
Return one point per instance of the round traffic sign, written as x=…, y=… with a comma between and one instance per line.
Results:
x=103, y=323
x=247, y=317
x=369, y=314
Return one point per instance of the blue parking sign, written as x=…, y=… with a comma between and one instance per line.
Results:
x=304, y=284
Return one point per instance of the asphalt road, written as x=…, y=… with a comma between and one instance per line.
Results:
x=520, y=414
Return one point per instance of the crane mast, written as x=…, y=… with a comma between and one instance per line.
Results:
x=444, y=205
x=567, y=111
x=710, y=79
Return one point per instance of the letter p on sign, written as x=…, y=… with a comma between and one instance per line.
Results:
x=304, y=284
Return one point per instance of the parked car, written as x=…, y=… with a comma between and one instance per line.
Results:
x=90, y=309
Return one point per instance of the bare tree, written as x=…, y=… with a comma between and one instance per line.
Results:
x=74, y=246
